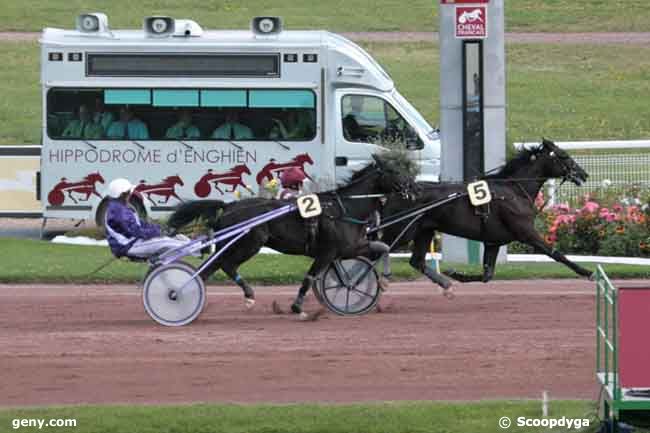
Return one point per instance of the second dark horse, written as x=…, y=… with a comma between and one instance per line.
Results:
x=509, y=217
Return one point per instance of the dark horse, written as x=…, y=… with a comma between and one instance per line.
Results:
x=509, y=217
x=339, y=232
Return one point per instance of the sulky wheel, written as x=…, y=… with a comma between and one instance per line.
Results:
x=171, y=296
x=350, y=287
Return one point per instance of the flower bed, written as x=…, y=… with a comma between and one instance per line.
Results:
x=601, y=224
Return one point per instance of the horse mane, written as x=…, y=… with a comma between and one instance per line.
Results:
x=521, y=159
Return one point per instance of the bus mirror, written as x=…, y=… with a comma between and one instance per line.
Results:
x=159, y=26
x=92, y=23
x=266, y=25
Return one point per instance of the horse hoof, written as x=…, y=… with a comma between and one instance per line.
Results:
x=296, y=308
x=384, y=283
x=249, y=303
x=448, y=293
x=276, y=308
x=303, y=316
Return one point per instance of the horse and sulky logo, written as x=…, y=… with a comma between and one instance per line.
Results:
x=164, y=189
x=471, y=22
x=270, y=170
x=75, y=191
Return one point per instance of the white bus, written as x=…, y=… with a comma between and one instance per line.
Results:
x=190, y=114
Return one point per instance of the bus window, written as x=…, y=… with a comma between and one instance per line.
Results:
x=370, y=118
x=182, y=114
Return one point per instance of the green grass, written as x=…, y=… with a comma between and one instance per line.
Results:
x=564, y=92
x=389, y=417
x=336, y=15
x=27, y=261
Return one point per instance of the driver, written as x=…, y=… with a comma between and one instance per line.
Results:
x=127, y=235
x=291, y=181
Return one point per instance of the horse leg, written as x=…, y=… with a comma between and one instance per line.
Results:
x=375, y=250
x=490, y=254
x=231, y=270
x=540, y=246
x=71, y=197
x=246, y=248
x=418, y=259
x=318, y=266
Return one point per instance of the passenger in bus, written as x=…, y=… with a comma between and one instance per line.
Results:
x=297, y=127
x=232, y=129
x=128, y=127
x=83, y=127
x=183, y=129
x=101, y=116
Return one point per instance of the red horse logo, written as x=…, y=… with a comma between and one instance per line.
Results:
x=272, y=168
x=166, y=189
x=56, y=197
x=233, y=177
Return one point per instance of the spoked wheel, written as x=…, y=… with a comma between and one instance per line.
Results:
x=171, y=296
x=350, y=287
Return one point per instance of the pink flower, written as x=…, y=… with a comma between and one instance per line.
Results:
x=617, y=207
x=590, y=207
x=562, y=219
x=562, y=208
x=539, y=200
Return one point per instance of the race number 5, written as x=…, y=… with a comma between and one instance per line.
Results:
x=309, y=206
x=479, y=193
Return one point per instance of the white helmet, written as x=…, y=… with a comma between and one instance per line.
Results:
x=119, y=186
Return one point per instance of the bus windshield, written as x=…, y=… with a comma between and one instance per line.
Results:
x=181, y=114
x=420, y=122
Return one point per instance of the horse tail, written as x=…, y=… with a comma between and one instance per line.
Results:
x=192, y=210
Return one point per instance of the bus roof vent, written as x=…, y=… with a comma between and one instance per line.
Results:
x=187, y=28
x=92, y=23
x=159, y=26
x=266, y=26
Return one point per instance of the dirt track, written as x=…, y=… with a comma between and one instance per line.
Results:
x=66, y=345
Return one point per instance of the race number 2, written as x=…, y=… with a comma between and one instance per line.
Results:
x=479, y=193
x=309, y=206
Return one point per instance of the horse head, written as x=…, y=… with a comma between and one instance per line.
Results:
x=558, y=164
x=241, y=168
x=303, y=158
x=94, y=177
x=394, y=176
x=174, y=180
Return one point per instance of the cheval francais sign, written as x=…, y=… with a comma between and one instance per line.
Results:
x=471, y=22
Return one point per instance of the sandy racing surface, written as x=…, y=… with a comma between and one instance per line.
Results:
x=95, y=344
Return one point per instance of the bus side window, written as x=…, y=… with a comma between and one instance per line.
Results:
x=70, y=114
x=367, y=119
